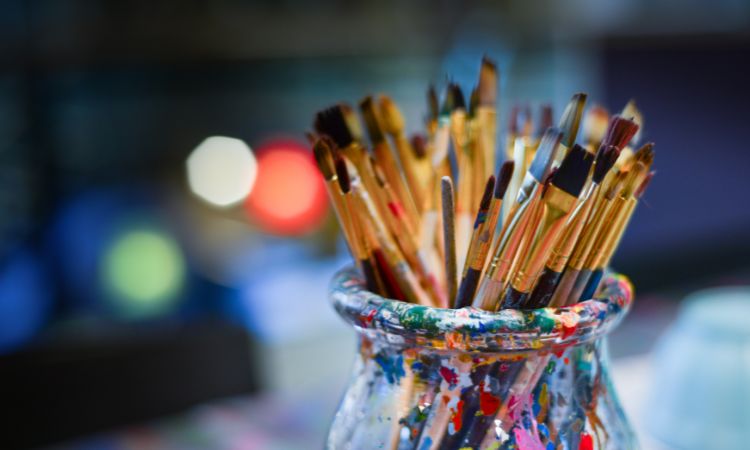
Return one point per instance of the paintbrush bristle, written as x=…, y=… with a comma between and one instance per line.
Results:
x=620, y=131
x=372, y=120
x=458, y=97
x=489, y=187
x=595, y=125
x=393, y=120
x=515, y=111
x=332, y=122
x=504, y=176
x=342, y=172
x=571, y=118
x=419, y=145
x=645, y=154
x=545, y=154
x=324, y=157
x=644, y=184
x=433, y=104
x=631, y=110
x=487, y=83
x=574, y=170
x=449, y=102
x=605, y=159
x=473, y=102
x=545, y=118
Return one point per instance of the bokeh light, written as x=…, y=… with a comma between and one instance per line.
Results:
x=25, y=299
x=222, y=170
x=289, y=196
x=144, y=270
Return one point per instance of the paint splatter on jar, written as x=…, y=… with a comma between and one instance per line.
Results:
x=431, y=378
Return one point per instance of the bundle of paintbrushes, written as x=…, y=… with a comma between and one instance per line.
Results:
x=429, y=223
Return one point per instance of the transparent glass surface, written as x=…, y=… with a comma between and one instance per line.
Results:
x=431, y=378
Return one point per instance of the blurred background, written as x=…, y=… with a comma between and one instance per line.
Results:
x=160, y=288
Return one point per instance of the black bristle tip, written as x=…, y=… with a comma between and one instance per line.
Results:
x=545, y=154
x=487, y=196
x=331, y=122
x=433, y=104
x=342, y=172
x=504, y=176
x=574, y=170
x=605, y=159
x=458, y=97
x=473, y=102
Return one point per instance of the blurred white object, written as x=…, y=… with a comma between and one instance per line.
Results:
x=222, y=170
x=700, y=397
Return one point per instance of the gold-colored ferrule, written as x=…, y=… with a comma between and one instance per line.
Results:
x=573, y=228
x=556, y=206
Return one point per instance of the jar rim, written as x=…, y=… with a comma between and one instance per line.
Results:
x=473, y=330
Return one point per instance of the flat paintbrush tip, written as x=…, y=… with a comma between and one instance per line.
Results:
x=342, y=172
x=620, y=131
x=487, y=82
x=573, y=171
x=324, y=157
x=458, y=97
x=545, y=154
x=605, y=159
x=489, y=187
x=571, y=118
x=332, y=122
x=393, y=120
x=504, y=176
x=372, y=120
x=645, y=154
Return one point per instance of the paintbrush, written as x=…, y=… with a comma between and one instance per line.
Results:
x=557, y=203
x=405, y=237
x=509, y=240
x=569, y=124
x=387, y=161
x=449, y=236
x=632, y=112
x=546, y=120
x=403, y=275
x=464, y=187
x=620, y=209
x=394, y=125
x=595, y=124
x=571, y=285
x=366, y=249
x=550, y=277
x=484, y=228
x=486, y=115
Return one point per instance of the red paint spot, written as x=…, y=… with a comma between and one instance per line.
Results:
x=559, y=353
x=488, y=403
x=395, y=208
x=567, y=360
x=568, y=330
x=368, y=319
x=503, y=367
x=457, y=417
x=449, y=375
x=587, y=443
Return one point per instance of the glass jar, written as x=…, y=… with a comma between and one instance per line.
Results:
x=432, y=378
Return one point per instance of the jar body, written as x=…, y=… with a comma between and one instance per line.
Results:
x=418, y=398
x=428, y=378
